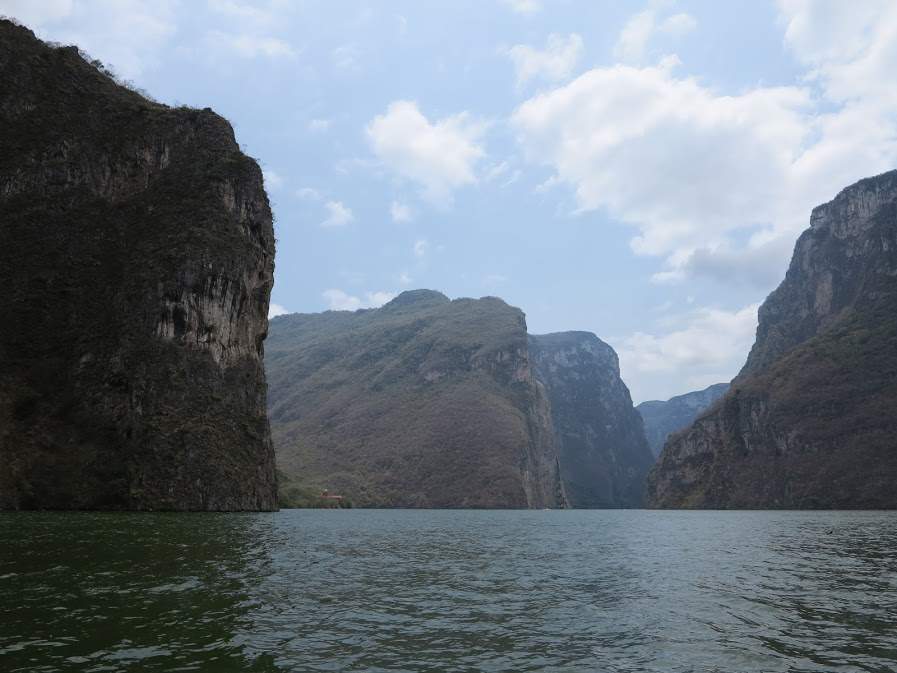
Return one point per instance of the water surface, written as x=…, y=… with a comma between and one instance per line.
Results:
x=357, y=590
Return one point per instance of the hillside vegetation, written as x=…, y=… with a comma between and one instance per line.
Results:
x=810, y=420
x=424, y=402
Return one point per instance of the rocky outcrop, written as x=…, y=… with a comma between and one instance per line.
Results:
x=809, y=421
x=601, y=444
x=136, y=257
x=425, y=402
x=665, y=418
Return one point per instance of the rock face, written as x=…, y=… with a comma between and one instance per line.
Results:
x=425, y=402
x=664, y=418
x=809, y=421
x=136, y=260
x=601, y=444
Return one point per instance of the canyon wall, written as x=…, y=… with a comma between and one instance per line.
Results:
x=137, y=258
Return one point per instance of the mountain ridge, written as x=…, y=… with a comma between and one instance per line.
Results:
x=602, y=451
x=808, y=422
x=431, y=405
x=409, y=353
x=665, y=417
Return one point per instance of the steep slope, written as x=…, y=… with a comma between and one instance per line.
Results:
x=677, y=413
x=424, y=402
x=601, y=444
x=809, y=422
x=136, y=260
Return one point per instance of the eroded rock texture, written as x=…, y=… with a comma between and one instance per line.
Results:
x=136, y=260
x=425, y=402
x=663, y=418
x=809, y=421
x=601, y=444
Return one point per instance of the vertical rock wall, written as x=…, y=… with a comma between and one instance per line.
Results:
x=809, y=422
x=600, y=440
x=136, y=257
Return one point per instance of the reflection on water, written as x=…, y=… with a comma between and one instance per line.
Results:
x=341, y=590
x=105, y=592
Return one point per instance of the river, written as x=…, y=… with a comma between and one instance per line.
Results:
x=444, y=591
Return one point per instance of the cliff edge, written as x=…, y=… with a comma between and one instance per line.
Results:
x=136, y=260
x=424, y=402
x=600, y=440
x=809, y=422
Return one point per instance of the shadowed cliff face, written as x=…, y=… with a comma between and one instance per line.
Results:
x=599, y=435
x=677, y=413
x=809, y=422
x=424, y=402
x=136, y=256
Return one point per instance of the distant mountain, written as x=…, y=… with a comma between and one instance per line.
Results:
x=809, y=421
x=136, y=261
x=428, y=402
x=425, y=402
x=601, y=445
x=664, y=418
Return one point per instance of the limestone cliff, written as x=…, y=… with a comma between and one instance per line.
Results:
x=809, y=422
x=601, y=444
x=664, y=418
x=425, y=402
x=136, y=260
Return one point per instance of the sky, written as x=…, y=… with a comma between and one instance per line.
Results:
x=640, y=170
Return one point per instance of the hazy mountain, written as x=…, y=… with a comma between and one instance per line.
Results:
x=136, y=260
x=809, y=421
x=664, y=418
x=601, y=445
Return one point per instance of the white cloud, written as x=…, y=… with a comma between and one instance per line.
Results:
x=439, y=156
x=421, y=248
x=634, y=37
x=379, y=298
x=273, y=181
x=689, y=166
x=338, y=215
x=678, y=25
x=342, y=301
x=251, y=46
x=851, y=48
x=495, y=171
x=345, y=57
x=703, y=346
x=502, y=171
x=275, y=310
x=356, y=164
x=400, y=212
x=319, y=125
x=634, y=40
x=405, y=279
x=308, y=194
x=554, y=63
x=761, y=265
x=256, y=13
x=523, y=6
x=829, y=32
x=667, y=154
x=239, y=10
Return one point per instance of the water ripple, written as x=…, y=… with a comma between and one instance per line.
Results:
x=450, y=591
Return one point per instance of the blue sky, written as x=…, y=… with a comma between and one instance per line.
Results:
x=637, y=169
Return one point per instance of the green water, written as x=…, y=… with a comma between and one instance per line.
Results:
x=356, y=590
